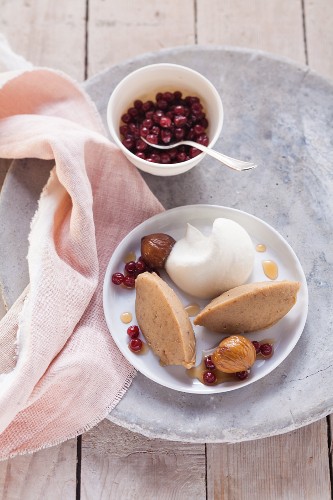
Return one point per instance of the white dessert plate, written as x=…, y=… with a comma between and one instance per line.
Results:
x=118, y=300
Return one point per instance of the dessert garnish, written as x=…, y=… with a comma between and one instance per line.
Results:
x=205, y=266
x=163, y=321
x=270, y=269
x=261, y=247
x=234, y=354
x=250, y=307
x=155, y=249
x=207, y=373
x=126, y=317
x=131, y=270
x=133, y=331
x=170, y=118
x=136, y=345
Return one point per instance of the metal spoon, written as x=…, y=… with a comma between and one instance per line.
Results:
x=238, y=165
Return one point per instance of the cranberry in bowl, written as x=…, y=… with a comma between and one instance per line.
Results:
x=165, y=103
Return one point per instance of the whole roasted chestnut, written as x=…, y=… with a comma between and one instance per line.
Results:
x=234, y=354
x=155, y=249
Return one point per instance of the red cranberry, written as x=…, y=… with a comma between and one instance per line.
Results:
x=117, y=278
x=155, y=130
x=179, y=133
x=194, y=152
x=154, y=157
x=162, y=104
x=140, y=266
x=168, y=96
x=148, y=105
x=242, y=375
x=196, y=108
x=128, y=142
x=266, y=350
x=208, y=377
x=165, y=122
x=138, y=104
x=190, y=135
x=203, y=139
x=123, y=129
x=126, y=118
x=133, y=331
x=209, y=363
x=181, y=157
x=148, y=123
x=129, y=281
x=204, y=122
x=180, y=121
x=158, y=115
x=141, y=145
x=198, y=129
x=165, y=158
x=152, y=138
x=135, y=345
x=130, y=267
x=166, y=136
x=144, y=131
x=179, y=110
x=256, y=345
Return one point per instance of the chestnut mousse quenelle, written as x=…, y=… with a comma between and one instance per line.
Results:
x=250, y=307
x=163, y=321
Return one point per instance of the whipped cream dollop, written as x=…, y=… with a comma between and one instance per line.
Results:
x=206, y=266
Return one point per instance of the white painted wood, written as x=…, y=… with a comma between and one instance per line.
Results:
x=48, y=474
x=46, y=32
x=292, y=466
x=120, y=30
x=117, y=463
x=319, y=35
x=274, y=26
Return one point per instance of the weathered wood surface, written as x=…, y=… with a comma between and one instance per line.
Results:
x=290, y=466
x=117, y=463
x=48, y=474
x=274, y=26
x=83, y=37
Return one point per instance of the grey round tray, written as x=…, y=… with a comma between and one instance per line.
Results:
x=280, y=115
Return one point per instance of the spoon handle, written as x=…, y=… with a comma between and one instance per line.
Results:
x=226, y=160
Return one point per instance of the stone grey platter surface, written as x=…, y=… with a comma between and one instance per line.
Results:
x=279, y=115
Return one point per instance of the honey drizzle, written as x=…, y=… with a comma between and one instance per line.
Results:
x=198, y=371
x=261, y=247
x=126, y=317
x=129, y=257
x=270, y=269
x=192, y=309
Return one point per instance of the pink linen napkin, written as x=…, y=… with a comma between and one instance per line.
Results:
x=68, y=372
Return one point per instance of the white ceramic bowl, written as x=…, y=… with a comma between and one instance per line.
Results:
x=143, y=84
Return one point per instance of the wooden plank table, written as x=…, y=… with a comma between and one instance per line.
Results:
x=83, y=37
